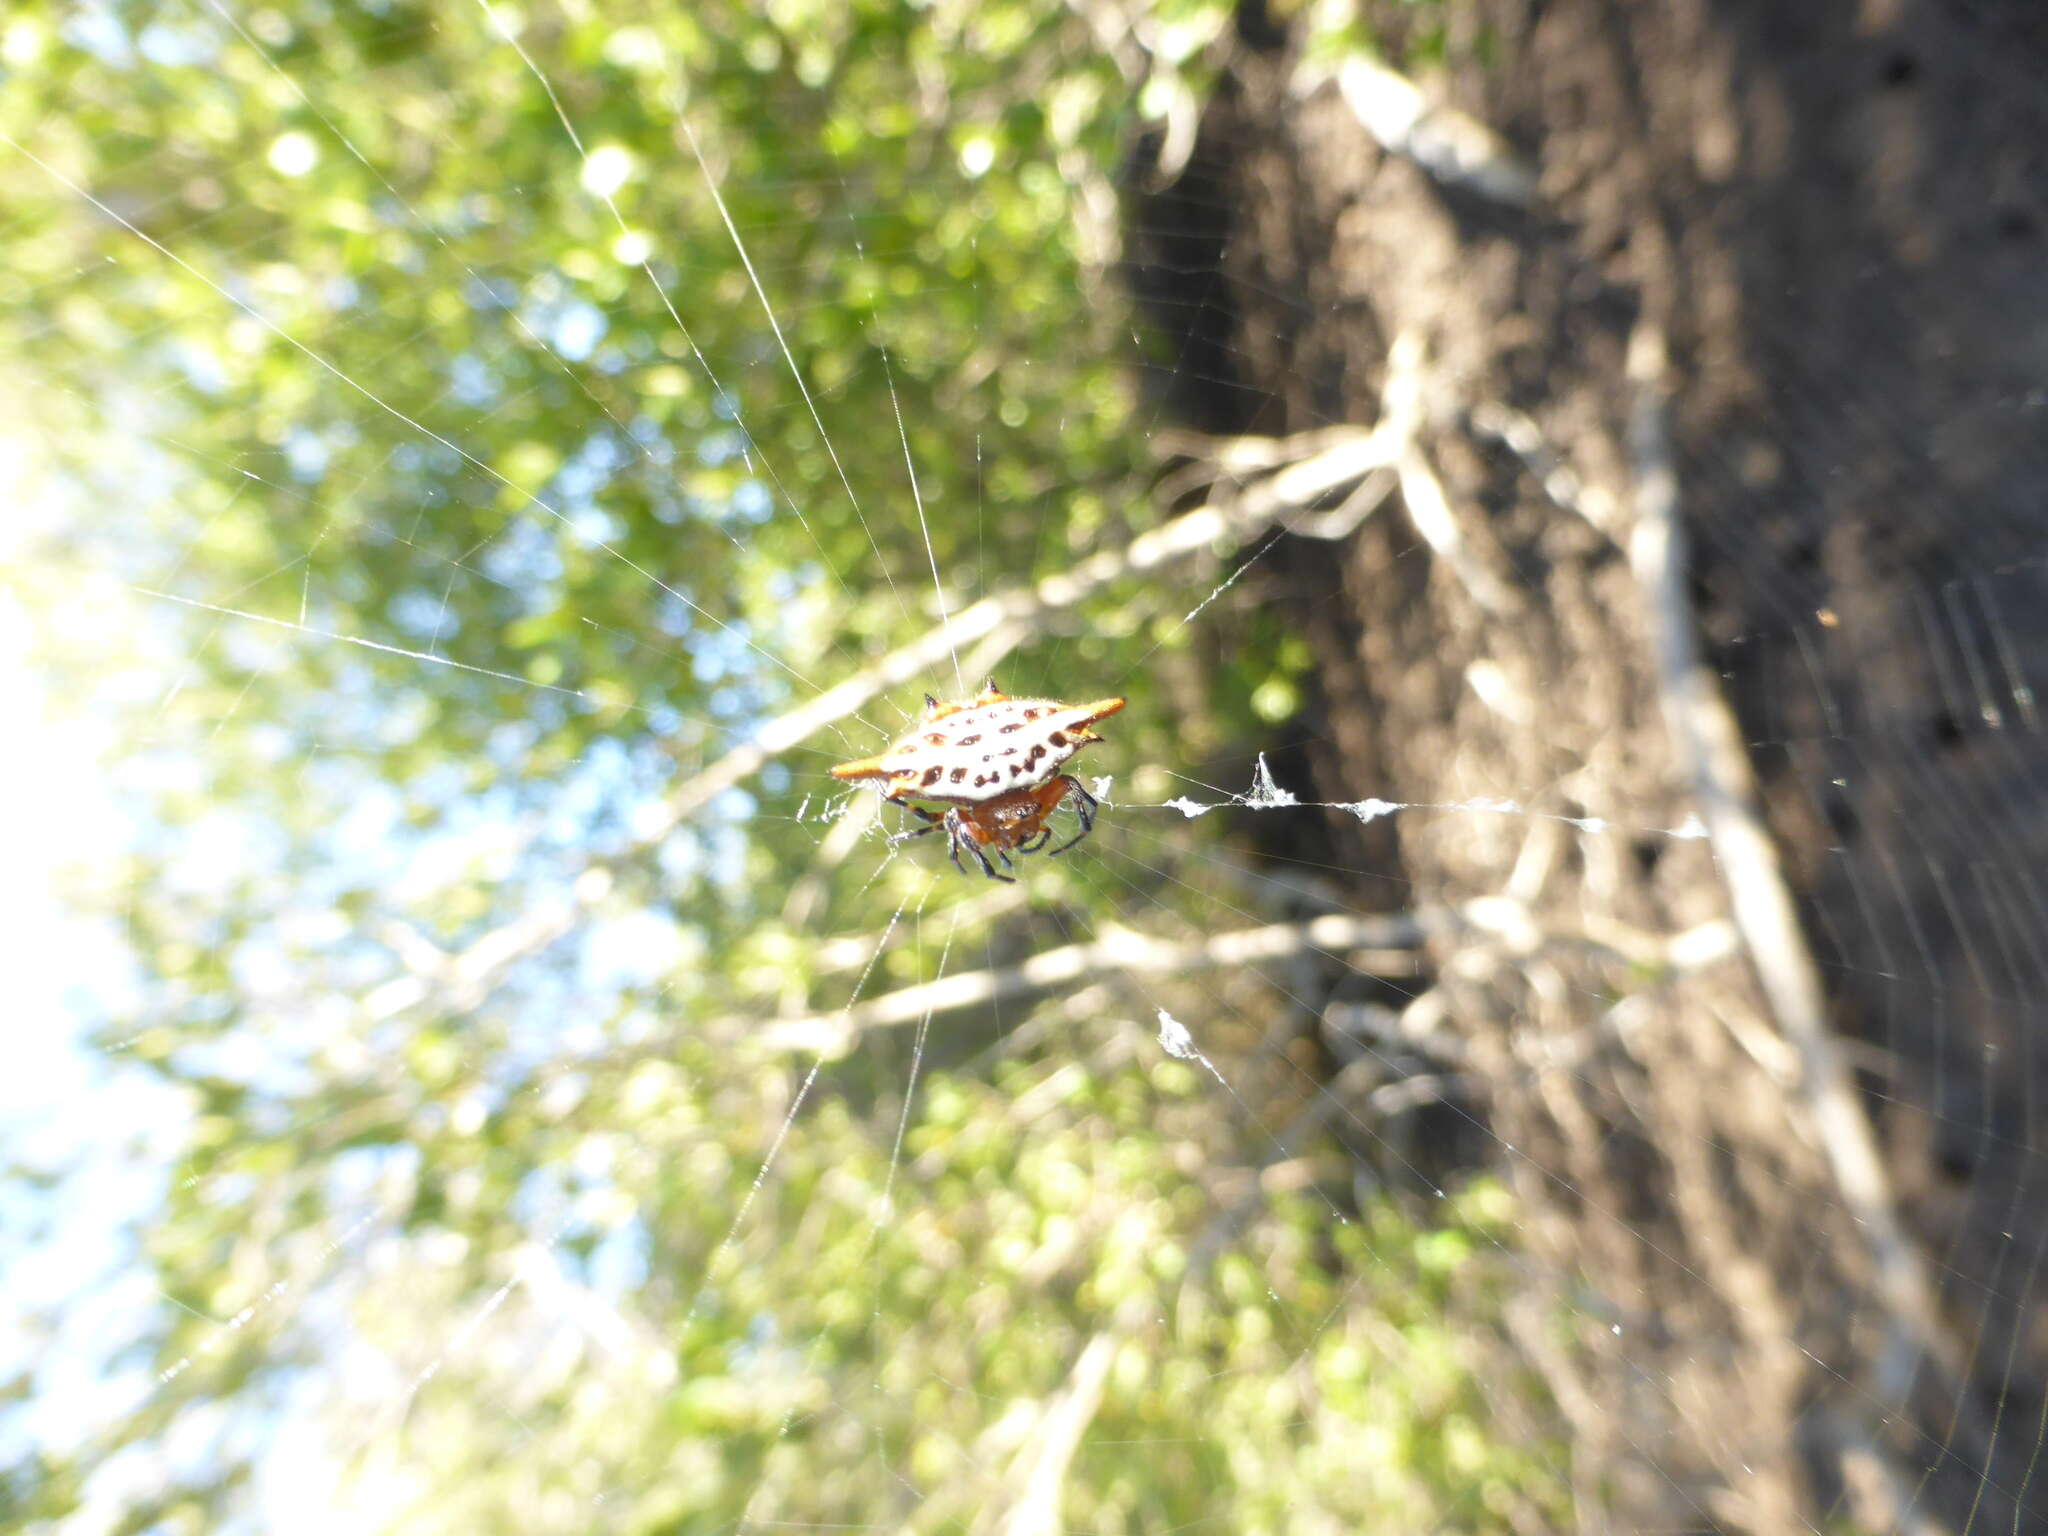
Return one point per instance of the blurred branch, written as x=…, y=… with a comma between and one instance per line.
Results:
x=1453, y=147
x=1120, y=949
x=459, y=980
x=1404, y=464
x=998, y=623
x=1495, y=921
x=1518, y=432
x=1709, y=745
x=1050, y=1450
x=1020, y=610
x=1430, y=511
x=1881, y=1493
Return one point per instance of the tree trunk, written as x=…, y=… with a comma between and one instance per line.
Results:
x=1829, y=215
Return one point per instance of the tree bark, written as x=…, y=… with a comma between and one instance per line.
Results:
x=1830, y=215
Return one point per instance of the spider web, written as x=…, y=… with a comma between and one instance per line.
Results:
x=545, y=1099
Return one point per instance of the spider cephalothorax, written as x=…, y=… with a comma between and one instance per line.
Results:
x=995, y=763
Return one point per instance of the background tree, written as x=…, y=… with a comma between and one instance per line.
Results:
x=1788, y=258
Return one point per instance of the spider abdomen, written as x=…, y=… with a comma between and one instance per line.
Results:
x=983, y=749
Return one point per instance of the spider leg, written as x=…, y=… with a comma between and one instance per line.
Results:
x=932, y=821
x=1033, y=844
x=1084, y=807
x=956, y=829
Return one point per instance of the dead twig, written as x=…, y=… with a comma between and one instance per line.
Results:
x=1452, y=146
x=1365, y=942
x=1120, y=949
x=1050, y=1451
x=1709, y=745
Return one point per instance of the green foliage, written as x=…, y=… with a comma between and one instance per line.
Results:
x=421, y=540
x=875, y=1325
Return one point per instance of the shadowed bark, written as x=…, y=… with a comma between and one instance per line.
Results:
x=1832, y=216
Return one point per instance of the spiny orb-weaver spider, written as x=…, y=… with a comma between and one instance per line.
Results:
x=995, y=762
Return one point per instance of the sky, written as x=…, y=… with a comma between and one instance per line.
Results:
x=66, y=1105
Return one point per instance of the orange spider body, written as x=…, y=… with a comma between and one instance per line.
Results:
x=996, y=763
